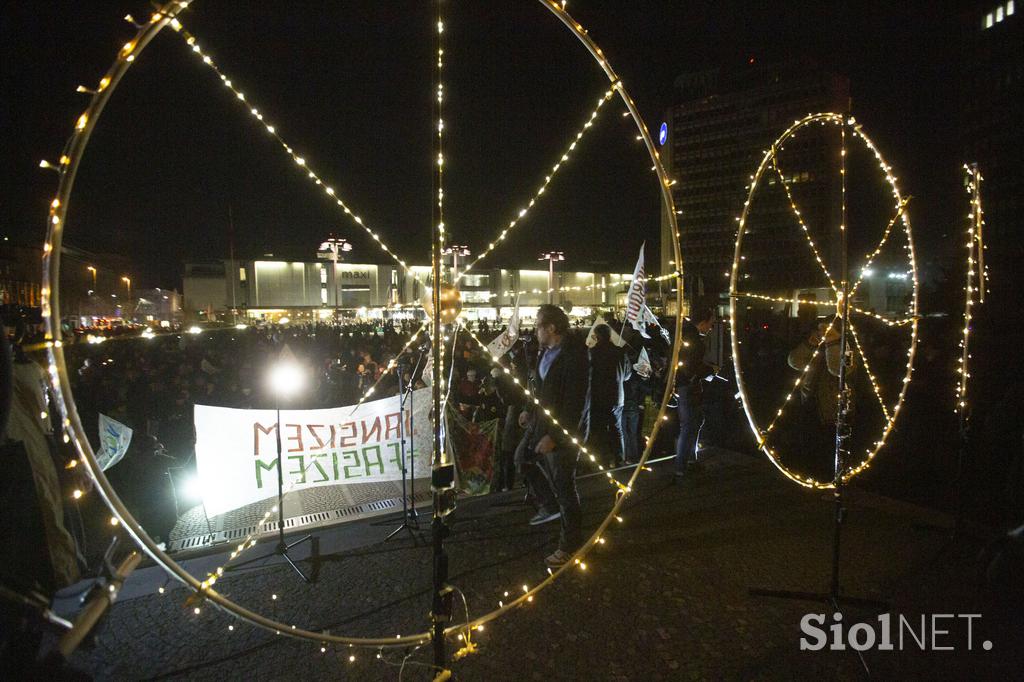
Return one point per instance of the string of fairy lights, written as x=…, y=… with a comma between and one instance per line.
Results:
x=800, y=220
x=562, y=161
x=299, y=160
x=795, y=300
x=769, y=161
x=73, y=432
x=532, y=398
x=976, y=281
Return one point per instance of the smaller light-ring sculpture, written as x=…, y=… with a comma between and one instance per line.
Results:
x=764, y=428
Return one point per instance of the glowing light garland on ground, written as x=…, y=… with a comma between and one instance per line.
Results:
x=769, y=160
x=71, y=424
x=974, y=293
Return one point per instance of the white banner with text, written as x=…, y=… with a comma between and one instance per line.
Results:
x=236, y=450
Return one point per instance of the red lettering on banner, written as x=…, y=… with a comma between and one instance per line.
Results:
x=296, y=438
x=350, y=440
x=373, y=432
x=392, y=423
x=258, y=428
x=320, y=444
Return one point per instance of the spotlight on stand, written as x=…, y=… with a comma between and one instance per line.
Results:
x=285, y=378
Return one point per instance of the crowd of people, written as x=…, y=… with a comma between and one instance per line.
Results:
x=151, y=382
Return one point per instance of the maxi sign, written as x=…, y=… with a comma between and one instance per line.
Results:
x=236, y=450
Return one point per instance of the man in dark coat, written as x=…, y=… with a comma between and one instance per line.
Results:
x=609, y=368
x=560, y=383
x=690, y=373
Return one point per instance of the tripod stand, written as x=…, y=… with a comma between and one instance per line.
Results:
x=834, y=599
x=285, y=378
x=410, y=521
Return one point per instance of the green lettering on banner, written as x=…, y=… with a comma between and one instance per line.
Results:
x=301, y=471
x=334, y=461
x=355, y=463
x=379, y=462
x=260, y=466
x=396, y=451
x=315, y=460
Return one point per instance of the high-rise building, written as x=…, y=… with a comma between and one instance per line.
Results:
x=991, y=74
x=716, y=134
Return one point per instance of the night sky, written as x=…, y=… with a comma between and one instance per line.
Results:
x=349, y=86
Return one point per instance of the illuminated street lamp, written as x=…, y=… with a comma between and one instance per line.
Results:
x=456, y=250
x=93, y=271
x=551, y=257
x=334, y=246
x=128, y=283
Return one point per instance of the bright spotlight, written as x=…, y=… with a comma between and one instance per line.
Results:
x=195, y=330
x=241, y=326
x=191, y=490
x=286, y=378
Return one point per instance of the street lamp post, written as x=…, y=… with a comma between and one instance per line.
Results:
x=128, y=305
x=93, y=271
x=551, y=257
x=336, y=246
x=456, y=250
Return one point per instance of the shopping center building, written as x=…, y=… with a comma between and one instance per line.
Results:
x=307, y=290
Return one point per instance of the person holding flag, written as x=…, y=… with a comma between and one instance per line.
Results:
x=636, y=295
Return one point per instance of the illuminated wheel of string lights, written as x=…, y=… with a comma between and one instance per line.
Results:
x=203, y=591
x=763, y=424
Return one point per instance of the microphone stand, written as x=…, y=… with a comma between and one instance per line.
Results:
x=410, y=522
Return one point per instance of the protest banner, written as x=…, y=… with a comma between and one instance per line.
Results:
x=115, y=438
x=474, y=444
x=236, y=450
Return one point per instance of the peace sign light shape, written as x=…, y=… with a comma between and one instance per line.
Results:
x=169, y=16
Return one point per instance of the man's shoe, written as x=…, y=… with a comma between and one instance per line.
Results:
x=558, y=559
x=544, y=516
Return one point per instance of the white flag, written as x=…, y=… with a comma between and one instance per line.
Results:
x=643, y=364
x=636, y=296
x=592, y=336
x=428, y=368
x=115, y=438
x=504, y=342
x=651, y=318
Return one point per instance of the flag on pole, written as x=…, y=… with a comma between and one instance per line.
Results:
x=636, y=296
x=504, y=341
x=115, y=438
x=592, y=336
x=428, y=369
x=643, y=364
x=650, y=318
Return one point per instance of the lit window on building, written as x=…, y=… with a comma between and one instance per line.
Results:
x=999, y=14
x=323, y=295
x=323, y=275
x=241, y=274
x=1009, y=8
x=988, y=20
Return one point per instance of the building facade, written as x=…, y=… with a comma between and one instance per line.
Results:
x=991, y=74
x=717, y=134
x=322, y=289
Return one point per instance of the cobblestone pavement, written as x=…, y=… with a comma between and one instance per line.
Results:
x=665, y=599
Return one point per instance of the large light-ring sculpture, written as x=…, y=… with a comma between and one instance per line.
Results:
x=71, y=425
x=762, y=429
